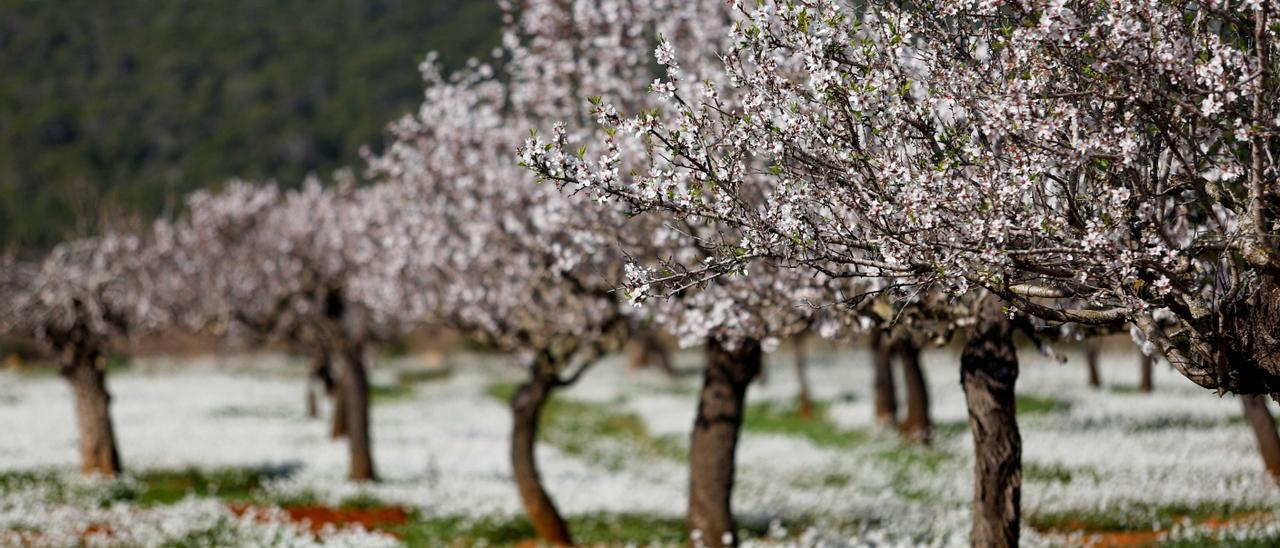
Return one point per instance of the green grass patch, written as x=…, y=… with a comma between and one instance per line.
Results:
x=774, y=418
x=146, y=488
x=1124, y=389
x=1040, y=405
x=425, y=375
x=909, y=461
x=1135, y=516
x=387, y=393
x=1049, y=473
x=587, y=530
x=159, y=487
x=596, y=432
x=362, y=501
x=1185, y=422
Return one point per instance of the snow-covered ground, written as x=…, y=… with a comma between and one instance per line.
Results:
x=442, y=450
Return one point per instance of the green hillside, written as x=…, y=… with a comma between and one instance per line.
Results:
x=111, y=110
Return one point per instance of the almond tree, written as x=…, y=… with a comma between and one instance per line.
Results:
x=76, y=303
x=1085, y=162
x=303, y=267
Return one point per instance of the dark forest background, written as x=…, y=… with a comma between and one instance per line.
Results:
x=112, y=110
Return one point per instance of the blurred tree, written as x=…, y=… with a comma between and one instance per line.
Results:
x=114, y=108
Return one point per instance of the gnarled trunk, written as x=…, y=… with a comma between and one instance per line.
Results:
x=96, y=435
x=988, y=372
x=1145, y=365
x=916, y=427
x=885, y=402
x=526, y=406
x=715, y=439
x=354, y=387
x=804, y=400
x=1251, y=345
x=1091, y=350
x=1264, y=431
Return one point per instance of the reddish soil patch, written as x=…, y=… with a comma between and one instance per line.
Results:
x=316, y=517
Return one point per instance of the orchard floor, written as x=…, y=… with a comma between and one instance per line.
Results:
x=219, y=452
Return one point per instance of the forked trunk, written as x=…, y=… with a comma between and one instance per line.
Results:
x=1091, y=350
x=886, y=403
x=1145, y=365
x=526, y=406
x=354, y=388
x=804, y=400
x=916, y=427
x=715, y=439
x=1264, y=430
x=988, y=373
x=97, y=439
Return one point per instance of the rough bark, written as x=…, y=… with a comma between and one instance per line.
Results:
x=1264, y=431
x=1145, y=365
x=885, y=399
x=526, y=406
x=97, y=440
x=1252, y=347
x=715, y=439
x=354, y=401
x=1092, y=348
x=916, y=426
x=804, y=403
x=988, y=372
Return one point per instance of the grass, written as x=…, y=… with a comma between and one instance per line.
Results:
x=591, y=529
x=1040, y=405
x=158, y=487
x=774, y=418
x=387, y=393
x=909, y=461
x=1135, y=516
x=595, y=529
x=596, y=431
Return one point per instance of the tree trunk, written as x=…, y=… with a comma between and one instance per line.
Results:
x=1264, y=430
x=526, y=406
x=97, y=439
x=1091, y=350
x=647, y=350
x=338, y=428
x=886, y=403
x=1145, y=363
x=988, y=372
x=354, y=404
x=715, y=439
x=313, y=408
x=804, y=400
x=916, y=427
x=319, y=379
